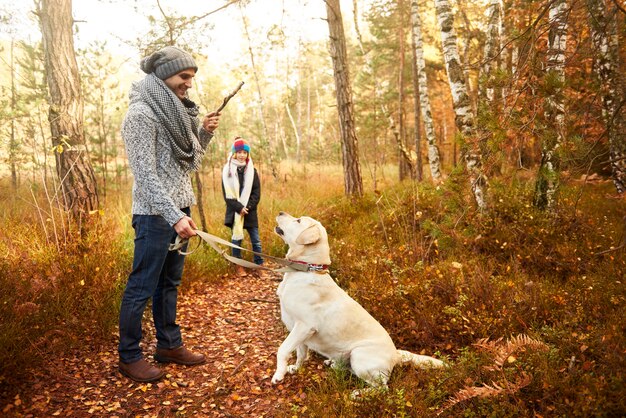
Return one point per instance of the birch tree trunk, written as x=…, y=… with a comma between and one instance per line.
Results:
x=548, y=177
x=464, y=118
x=605, y=40
x=419, y=169
x=65, y=115
x=406, y=168
x=353, y=183
x=507, y=48
x=491, y=60
x=434, y=160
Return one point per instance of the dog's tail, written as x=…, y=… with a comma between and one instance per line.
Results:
x=417, y=360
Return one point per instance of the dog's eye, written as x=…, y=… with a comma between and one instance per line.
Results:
x=298, y=220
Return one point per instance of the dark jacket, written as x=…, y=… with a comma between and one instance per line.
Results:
x=233, y=206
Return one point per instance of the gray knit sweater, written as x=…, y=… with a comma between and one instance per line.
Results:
x=161, y=185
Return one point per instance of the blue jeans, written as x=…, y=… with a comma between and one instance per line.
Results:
x=255, y=240
x=156, y=274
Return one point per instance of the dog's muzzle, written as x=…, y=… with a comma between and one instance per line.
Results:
x=279, y=231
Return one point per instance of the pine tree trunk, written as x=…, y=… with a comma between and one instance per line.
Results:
x=605, y=40
x=65, y=115
x=353, y=183
x=422, y=92
x=548, y=177
x=461, y=103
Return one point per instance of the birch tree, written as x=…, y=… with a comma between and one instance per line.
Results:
x=434, y=161
x=508, y=49
x=65, y=114
x=491, y=61
x=406, y=168
x=548, y=177
x=463, y=115
x=603, y=23
x=353, y=184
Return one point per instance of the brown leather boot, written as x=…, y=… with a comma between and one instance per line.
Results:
x=179, y=355
x=240, y=271
x=141, y=371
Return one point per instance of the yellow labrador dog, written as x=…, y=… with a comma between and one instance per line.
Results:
x=321, y=316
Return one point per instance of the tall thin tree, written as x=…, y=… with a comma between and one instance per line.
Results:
x=464, y=117
x=13, y=142
x=353, y=183
x=257, y=80
x=604, y=36
x=422, y=97
x=65, y=114
x=406, y=168
x=491, y=59
x=547, y=182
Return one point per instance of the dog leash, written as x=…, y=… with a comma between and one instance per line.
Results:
x=213, y=241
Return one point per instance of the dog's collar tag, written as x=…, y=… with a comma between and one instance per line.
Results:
x=317, y=268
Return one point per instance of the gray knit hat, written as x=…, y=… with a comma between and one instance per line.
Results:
x=167, y=62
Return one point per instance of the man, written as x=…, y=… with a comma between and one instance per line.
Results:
x=164, y=143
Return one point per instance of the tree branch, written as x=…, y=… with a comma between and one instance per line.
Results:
x=195, y=19
x=230, y=96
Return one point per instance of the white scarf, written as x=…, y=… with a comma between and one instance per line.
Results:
x=230, y=179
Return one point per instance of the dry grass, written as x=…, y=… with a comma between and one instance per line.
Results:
x=454, y=278
x=440, y=278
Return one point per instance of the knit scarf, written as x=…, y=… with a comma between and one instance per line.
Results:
x=179, y=117
x=230, y=179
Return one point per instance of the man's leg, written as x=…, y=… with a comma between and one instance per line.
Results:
x=164, y=302
x=164, y=305
x=149, y=256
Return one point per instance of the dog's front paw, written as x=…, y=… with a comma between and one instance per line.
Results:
x=277, y=377
x=292, y=368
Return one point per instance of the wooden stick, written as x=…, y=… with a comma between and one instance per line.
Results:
x=227, y=98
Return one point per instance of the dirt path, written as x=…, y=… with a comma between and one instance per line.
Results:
x=235, y=322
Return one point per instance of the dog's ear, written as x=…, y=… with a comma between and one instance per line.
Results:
x=309, y=236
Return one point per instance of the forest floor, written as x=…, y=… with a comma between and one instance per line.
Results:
x=235, y=321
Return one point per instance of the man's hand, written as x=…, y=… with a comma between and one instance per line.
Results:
x=244, y=212
x=185, y=227
x=211, y=121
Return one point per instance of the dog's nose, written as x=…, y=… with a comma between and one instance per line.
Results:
x=281, y=213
